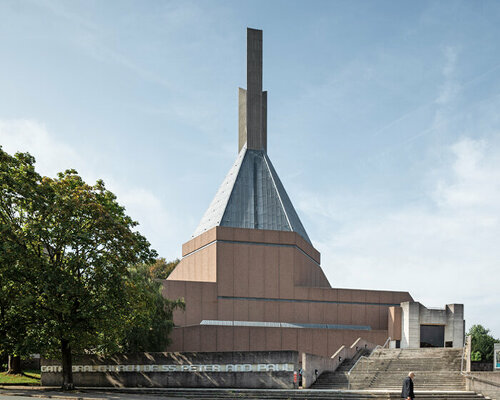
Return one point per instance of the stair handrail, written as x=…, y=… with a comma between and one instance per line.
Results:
x=349, y=373
x=463, y=357
x=464, y=350
x=475, y=378
x=356, y=363
x=386, y=344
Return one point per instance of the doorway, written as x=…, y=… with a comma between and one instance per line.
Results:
x=431, y=335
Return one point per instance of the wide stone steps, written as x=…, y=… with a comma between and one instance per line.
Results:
x=332, y=380
x=435, y=369
x=271, y=394
x=338, y=379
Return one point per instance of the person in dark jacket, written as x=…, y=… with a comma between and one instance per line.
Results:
x=407, y=392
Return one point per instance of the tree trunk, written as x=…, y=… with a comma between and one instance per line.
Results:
x=67, y=365
x=14, y=365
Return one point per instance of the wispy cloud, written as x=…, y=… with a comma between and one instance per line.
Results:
x=53, y=156
x=24, y=135
x=443, y=249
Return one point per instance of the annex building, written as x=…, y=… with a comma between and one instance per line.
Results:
x=252, y=279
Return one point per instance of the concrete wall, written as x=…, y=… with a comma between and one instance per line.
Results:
x=199, y=266
x=197, y=376
x=394, y=323
x=410, y=325
x=266, y=276
x=486, y=383
x=323, y=342
x=454, y=328
x=415, y=314
x=222, y=233
x=312, y=363
x=313, y=366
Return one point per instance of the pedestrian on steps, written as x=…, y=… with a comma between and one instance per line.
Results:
x=407, y=392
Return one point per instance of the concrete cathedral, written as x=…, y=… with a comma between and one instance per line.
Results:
x=252, y=279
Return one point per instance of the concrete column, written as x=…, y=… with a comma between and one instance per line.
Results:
x=254, y=89
x=468, y=344
x=405, y=325
x=410, y=325
x=264, y=121
x=456, y=324
x=242, y=118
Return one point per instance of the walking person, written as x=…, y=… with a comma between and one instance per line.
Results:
x=407, y=392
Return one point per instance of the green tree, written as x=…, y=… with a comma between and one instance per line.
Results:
x=68, y=248
x=162, y=268
x=88, y=243
x=18, y=186
x=482, y=343
x=150, y=321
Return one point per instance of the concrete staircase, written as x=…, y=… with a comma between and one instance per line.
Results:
x=435, y=369
x=339, y=378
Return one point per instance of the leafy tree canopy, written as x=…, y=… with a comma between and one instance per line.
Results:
x=482, y=343
x=66, y=285
x=162, y=268
x=149, y=326
x=18, y=186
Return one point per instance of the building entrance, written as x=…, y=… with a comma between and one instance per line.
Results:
x=431, y=335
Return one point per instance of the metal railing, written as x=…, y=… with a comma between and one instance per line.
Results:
x=464, y=355
x=386, y=343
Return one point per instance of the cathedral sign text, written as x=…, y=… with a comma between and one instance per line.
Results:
x=175, y=368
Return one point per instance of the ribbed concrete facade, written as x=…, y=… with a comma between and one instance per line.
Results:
x=249, y=289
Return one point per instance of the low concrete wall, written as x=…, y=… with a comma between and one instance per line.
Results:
x=481, y=366
x=312, y=363
x=486, y=383
x=260, y=369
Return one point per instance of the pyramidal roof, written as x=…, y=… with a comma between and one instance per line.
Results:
x=252, y=195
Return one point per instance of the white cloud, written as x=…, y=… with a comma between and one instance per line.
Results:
x=474, y=178
x=53, y=156
x=444, y=249
x=22, y=135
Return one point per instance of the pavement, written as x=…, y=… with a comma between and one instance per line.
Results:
x=40, y=392
x=96, y=393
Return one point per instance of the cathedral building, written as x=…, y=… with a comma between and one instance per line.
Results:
x=251, y=277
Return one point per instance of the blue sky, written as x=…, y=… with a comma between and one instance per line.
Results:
x=383, y=124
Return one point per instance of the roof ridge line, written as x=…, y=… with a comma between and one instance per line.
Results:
x=277, y=192
x=212, y=207
x=244, y=148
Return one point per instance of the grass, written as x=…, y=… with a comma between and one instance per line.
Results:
x=30, y=377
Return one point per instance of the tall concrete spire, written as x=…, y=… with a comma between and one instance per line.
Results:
x=252, y=195
x=252, y=103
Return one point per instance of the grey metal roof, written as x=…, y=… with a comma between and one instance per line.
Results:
x=284, y=325
x=252, y=196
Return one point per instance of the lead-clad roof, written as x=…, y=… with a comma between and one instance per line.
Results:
x=252, y=196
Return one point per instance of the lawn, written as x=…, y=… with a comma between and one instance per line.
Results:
x=27, y=378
